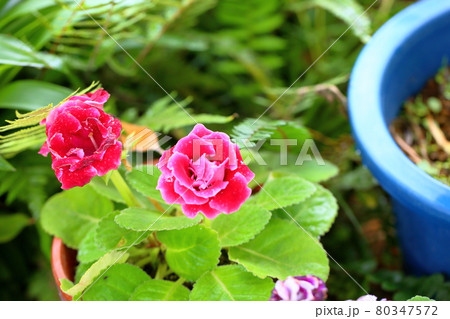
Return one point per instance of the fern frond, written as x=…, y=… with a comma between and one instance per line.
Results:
x=249, y=131
x=164, y=115
x=33, y=133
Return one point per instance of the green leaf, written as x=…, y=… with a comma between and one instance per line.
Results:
x=146, y=183
x=350, y=11
x=81, y=269
x=11, y=225
x=230, y=283
x=141, y=219
x=282, y=249
x=109, y=191
x=316, y=214
x=89, y=250
x=241, y=226
x=117, y=284
x=65, y=284
x=192, y=251
x=420, y=298
x=70, y=215
x=312, y=171
x=160, y=290
x=5, y=166
x=111, y=236
x=293, y=131
x=95, y=270
x=16, y=52
x=30, y=95
x=282, y=192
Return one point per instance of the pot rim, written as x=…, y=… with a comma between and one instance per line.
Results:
x=398, y=175
x=63, y=263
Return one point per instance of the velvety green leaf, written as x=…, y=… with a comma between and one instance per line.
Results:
x=117, y=284
x=81, y=269
x=282, y=249
x=313, y=171
x=191, y=251
x=65, y=284
x=316, y=214
x=11, y=225
x=160, y=290
x=231, y=282
x=5, y=166
x=294, y=132
x=71, y=214
x=282, y=192
x=141, y=219
x=111, y=236
x=95, y=270
x=109, y=191
x=146, y=183
x=420, y=298
x=241, y=226
x=30, y=95
x=89, y=250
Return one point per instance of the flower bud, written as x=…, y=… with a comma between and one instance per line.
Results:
x=299, y=288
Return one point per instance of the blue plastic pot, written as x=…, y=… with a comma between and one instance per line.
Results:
x=395, y=64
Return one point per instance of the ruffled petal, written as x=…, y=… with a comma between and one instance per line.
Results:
x=192, y=210
x=79, y=177
x=233, y=196
x=166, y=187
x=110, y=159
x=179, y=166
x=188, y=194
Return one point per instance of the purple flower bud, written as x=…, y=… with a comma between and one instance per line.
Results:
x=299, y=288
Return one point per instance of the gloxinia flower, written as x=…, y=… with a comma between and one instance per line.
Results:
x=368, y=298
x=204, y=172
x=299, y=288
x=82, y=139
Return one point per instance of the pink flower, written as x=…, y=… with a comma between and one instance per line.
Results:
x=82, y=139
x=300, y=288
x=204, y=172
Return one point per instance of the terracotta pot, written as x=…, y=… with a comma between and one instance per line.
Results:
x=63, y=265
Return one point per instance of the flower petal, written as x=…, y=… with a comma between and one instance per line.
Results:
x=188, y=195
x=166, y=187
x=192, y=210
x=233, y=196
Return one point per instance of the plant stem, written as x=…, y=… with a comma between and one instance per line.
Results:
x=180, y=281
x=161, y=271
x=123, y=189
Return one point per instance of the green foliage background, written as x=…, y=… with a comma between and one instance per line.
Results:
x=230, y=57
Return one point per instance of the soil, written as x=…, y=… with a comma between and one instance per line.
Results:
x=423, y=128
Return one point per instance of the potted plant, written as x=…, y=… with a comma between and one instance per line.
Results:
x=200, y=225
x=406, y=52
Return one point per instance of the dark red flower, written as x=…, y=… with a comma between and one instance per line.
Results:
x=82, y=139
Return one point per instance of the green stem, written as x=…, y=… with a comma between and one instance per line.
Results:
x=123, y=189
x=161, y=271
x=180, y=281
x=144, y=261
